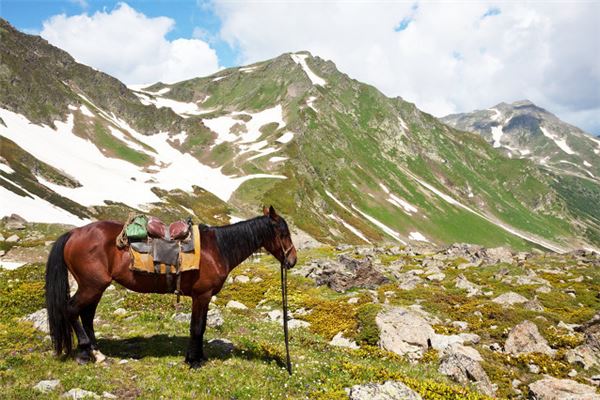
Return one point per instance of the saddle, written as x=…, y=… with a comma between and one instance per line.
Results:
x=160, y=249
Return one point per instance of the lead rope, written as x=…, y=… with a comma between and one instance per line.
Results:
x=285, y=305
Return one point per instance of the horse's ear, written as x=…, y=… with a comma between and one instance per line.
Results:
x=265, y=211
x=272, y=213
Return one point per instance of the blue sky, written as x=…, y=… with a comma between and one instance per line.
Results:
x=446, y=57
x=29, y=15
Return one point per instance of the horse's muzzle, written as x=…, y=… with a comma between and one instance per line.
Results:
x=289, y=262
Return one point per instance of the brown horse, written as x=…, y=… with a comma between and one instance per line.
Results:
x=91, y=255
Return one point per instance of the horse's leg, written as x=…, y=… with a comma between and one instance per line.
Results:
x=87, y=320
x=195, y=352
x=84, y=297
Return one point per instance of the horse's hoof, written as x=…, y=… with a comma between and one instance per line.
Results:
x=84, y=357
x=195, y=364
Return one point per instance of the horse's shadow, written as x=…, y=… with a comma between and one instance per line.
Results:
x=162, y=345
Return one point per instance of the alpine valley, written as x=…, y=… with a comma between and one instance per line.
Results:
x=343, y=162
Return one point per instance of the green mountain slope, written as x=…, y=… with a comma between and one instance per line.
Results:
x=344, y=162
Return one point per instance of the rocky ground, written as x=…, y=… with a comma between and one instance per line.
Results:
x=393, y=322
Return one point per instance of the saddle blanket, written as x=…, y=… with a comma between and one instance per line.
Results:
x=164, y=256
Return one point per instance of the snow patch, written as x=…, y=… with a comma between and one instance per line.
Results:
x=184, y=110
x=6, y=168
x=36, y=209
x=218, y=78
x=561, y=143
x=401, y=203
x=497, y=133
x=497, y=114
x=314, y=78
x=349, y=227
x=385, y=189
x=277, y=159
x=417, y=236
x=286, y=137
x=339, y=203
x=311, y=102
x=403, y=124
x=587, y=164
x=86, y=111
x=247, y=69
x=381, y=226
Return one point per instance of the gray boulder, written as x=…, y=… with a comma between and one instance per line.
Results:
x=472, y=289
x=390, y=390
x=466, y=370
x=525, y=338
x=509, y=299
x=214, y=318
x=403, y=332
x=39, y=319
x=47, y=386
x=551, y=388
x=77, y=393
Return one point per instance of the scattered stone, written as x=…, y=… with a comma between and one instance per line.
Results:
x=389, y=390
x=544, y=289
x=110, y=288
x=551, y=388
x=214, y=318
x=340, y=341
x=108, y=395
x=498, y=255
x=533, y=305
x=15, y=222
x=39, y=319
x=47, y=386
x=587, y=355
x=236, y=305
x=182, y=317
x=572, y=373
x=2, y=239
x=120, y=311
x=472, y=289
x=241, y=279
x=277, y=316
x=78, y=393
x=437, y=277
x=534, y=369
x=509, y=298
x=353, y=300
x=403, y=332
x=13, y=239
x=525, y=338
x=345, y=273
x=408, y=280
x=466, y=370
x=460, y=325
x=257, y=279
x=100, y=358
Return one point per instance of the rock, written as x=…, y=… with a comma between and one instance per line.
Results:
x=223, y=346
x=241, y=279
x=39, y=319
x=46, y=386
x=543, y=289
x=78, y=393
x=343, y=274
x=460, y=325
x=15, y=222
x=572, y=373
x=108, y=395
x=236, y=305
x=13, y=239
x=389, y=390
x=509, y=298
x=408, y=280
x=214, y=318
x=525, y=338
x=438, y=277
x=297, y=323
x=256, y=279
x=551, y=388
x=100, y=358
x=498, y=255
x=353, y=300
x=120, y=311
x=2, y=239
x=440, y=342
x=534, y=369
x=472, y=289
x=587, y=355
x=533, y=305
x=340, y=341
x=470, y=352
x=403, y=332
x=277, y=316
x=466, y=370
x=182, y=317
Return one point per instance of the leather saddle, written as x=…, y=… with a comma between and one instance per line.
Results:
x=177, y=230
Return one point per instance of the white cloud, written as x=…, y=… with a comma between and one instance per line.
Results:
x=130, y=46
x=444, y=56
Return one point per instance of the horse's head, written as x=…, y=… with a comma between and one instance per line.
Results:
x=280, y=246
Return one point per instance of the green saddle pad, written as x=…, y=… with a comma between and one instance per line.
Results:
x=137, y=229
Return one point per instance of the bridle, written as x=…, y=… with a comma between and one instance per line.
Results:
x=286, y=252
x=284, y=268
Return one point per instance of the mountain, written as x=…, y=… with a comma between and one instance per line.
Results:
x=524, y=130
x=343, y=162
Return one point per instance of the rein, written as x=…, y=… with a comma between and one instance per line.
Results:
x=284, y=303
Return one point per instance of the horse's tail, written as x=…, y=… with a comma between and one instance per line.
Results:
x=57, y=297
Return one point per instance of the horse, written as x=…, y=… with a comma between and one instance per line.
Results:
x=91, y=255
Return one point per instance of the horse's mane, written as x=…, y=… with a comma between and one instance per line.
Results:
x=239, y=240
